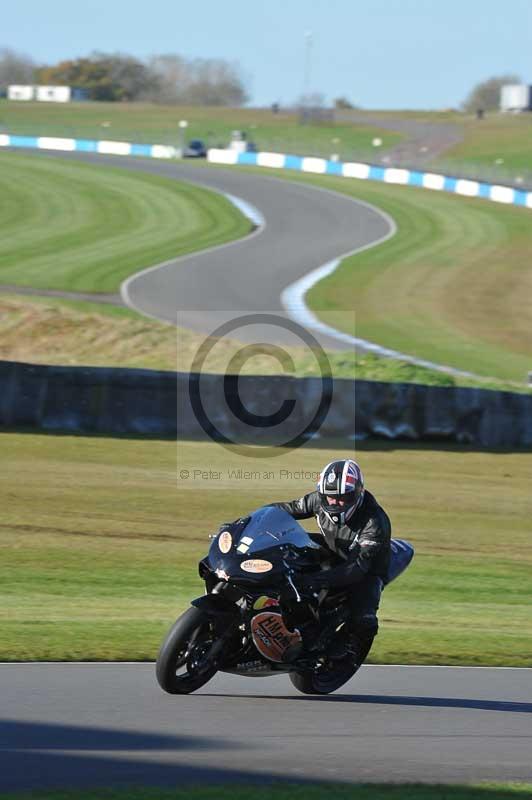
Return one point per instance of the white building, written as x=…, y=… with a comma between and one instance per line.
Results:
x=53, y=94
x=46, y=94
x=20, y=92
x=516, y=97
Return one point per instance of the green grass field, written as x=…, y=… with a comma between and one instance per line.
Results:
x=154, y=124
x=100, y=541
x=509, y=791
x=77, y=227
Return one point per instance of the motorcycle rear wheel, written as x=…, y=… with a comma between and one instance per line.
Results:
x=182, y=666
x=326, y=680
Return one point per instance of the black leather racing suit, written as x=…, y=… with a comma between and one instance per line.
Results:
x=361, y=549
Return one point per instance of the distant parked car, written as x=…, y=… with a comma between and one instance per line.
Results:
x=195, y=149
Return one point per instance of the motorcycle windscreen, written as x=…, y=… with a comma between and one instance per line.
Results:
x=270, y=527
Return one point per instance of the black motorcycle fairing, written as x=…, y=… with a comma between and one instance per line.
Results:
x=269, y=536
x=217, y=605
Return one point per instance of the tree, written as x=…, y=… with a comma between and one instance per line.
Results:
x=106, y=76
x=343, y=104
x=486, y=95
x=201, y=81
x=15, y=68
x=164, y=79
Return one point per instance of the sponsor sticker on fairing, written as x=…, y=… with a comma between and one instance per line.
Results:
x=256, y=565
x=225, y=541
x=273, y=639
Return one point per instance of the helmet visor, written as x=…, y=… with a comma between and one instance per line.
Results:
x=339, y=502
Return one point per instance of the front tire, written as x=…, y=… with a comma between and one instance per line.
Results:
x=182, y=666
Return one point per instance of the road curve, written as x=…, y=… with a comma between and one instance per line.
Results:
x=305, y=227
x=88, y=725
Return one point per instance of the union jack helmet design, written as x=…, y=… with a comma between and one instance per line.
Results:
x=341, y=489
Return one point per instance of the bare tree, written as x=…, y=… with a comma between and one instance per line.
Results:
x=15, y=68
x=205, y=81
x=486, y=95
x=173, y=78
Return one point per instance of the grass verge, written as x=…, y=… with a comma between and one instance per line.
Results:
x=500, y=141
x=100, y=540
x=158, y=124
x=283, y=791
x=77, y=227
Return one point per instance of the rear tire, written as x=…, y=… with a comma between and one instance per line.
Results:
x=326, y=680
x=334, y=674
x=181, y=664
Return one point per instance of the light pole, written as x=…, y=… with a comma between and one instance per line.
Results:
x=306, y=67
x=183, y=125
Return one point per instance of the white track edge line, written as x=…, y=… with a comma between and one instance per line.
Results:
x=293, y=300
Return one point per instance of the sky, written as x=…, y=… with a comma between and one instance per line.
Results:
x=380, y=54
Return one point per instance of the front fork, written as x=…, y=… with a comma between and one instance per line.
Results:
x=224, y=615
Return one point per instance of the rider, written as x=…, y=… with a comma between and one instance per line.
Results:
x=357, y=531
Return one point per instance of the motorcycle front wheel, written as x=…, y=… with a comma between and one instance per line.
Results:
x=183, y=665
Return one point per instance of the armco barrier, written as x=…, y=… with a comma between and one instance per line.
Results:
x=318, y=166
x=129, y=401
x=405, y=177
x=88, y=146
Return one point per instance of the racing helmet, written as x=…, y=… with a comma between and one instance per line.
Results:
x=341, y=489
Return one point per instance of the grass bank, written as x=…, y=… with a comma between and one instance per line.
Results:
x=100, y=540
x=52, y=331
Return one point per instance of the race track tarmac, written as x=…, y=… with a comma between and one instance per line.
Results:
x=74, y=725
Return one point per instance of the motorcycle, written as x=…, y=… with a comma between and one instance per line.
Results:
x=254, y=621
